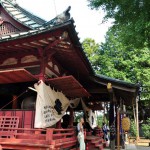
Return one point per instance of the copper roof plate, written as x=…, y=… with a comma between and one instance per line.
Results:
x=69, y=86
x=15, y=76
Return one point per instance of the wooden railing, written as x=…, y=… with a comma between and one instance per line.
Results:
x=48, y=139
x=61, y=138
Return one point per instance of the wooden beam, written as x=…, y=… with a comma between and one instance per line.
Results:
x=128, y=89
x=23, y=46
x=98, y=90
x=22, y=65
x=64, y=50
x=36, y=43
x=43, y=41
x=52, y=69
x=61, y=69
x=17, y=55
x=52, y=44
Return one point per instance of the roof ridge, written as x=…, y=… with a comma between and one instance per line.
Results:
x=61, y=18
x=11, y=7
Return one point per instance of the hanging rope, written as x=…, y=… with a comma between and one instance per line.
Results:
x=14, y=99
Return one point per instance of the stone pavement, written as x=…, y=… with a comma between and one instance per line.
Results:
x=142, y=147
x=133, y=147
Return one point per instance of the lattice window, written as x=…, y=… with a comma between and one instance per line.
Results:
x=7, y=28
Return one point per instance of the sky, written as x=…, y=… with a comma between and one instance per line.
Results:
x=88, y=22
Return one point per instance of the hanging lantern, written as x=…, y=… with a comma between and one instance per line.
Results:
x=126, y=124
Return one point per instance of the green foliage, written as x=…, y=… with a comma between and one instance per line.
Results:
x=131, y=17
x=116, y=60
x=133, y=129
x=125, y=55
x=91, y=48
x=146, y=128
x=99, y=120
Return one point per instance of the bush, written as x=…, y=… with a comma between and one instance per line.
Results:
x=133, y=129
x=146, y=129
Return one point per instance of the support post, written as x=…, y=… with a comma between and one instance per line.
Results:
x=14, y=104
x=118, y=129
x=71, y=118
x=135, y=118
x=49, y=134
x=134, y=114
x=104, y=114
x=112, y=125
x=58, y=124
x=137, y=121
x=43, y=64
x=112, y=116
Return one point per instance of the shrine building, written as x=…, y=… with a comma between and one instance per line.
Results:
x=33, y=50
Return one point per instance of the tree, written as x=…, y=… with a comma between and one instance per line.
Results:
x=116, y=60
x=91, y=48
x=131, y=17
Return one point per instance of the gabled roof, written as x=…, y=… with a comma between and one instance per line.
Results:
x=57, y=22
x=21, y=15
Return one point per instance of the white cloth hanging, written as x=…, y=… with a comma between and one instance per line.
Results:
x=74, y=102
x=50, y=106
x=90, y=115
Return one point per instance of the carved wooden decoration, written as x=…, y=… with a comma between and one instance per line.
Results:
x=7, y=28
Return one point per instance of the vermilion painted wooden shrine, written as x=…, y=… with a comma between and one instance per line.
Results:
x=32, y=49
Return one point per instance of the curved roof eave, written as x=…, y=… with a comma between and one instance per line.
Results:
x=116, y=83
x=21, y=15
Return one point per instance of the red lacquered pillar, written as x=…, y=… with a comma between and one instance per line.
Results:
x=58, y=124
x=14, y=103
x=71, y=118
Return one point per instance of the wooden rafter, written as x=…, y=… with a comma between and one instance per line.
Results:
x=98, y=90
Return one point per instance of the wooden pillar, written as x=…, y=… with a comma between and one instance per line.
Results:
x=137, y=120
x=42, y=64
x=112, y=112
x=49, y=135
x=71, y=117
x=112, y=125
x=118, y=129
x=134, y=113
x=104, y=119
x=14, y=102
x=58, y=124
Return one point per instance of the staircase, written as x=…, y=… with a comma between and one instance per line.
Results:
x=95, y=143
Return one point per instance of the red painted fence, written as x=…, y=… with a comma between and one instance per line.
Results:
x=17, y=132
x=26, y=117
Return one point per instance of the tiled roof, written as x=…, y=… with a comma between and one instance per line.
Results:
x=32, y=32
x=21, y=15
x=24, y=17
